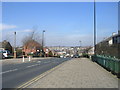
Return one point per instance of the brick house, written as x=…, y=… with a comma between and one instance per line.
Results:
x=31, y=47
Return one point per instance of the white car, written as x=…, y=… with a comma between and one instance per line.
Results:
x=5, y=53
x=61, y=56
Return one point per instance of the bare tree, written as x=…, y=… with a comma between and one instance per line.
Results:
x=32, y=36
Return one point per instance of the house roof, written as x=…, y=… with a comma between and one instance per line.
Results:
x=4, y=43
x=109, y=38
x=32, y=43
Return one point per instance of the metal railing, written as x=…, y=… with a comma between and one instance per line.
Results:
x=109, y=63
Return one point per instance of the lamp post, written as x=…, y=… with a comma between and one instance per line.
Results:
x=43, y=42
x=119, y=18
x=94, y=27
x=119, y=29
x=14, y=44
x=80, y=43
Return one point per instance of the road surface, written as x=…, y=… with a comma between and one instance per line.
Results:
x=14, y=75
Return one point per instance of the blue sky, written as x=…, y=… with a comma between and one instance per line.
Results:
x=66, y=23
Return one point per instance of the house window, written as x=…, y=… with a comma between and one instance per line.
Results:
x=110, y=42
x=118, y=39
x=114, y=40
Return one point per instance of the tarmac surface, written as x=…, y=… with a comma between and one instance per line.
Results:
x=15, y=72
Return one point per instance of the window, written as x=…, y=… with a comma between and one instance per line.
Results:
x=118, y=39
x=114, y=40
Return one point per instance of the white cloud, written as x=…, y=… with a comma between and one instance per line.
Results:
x=28, y=30
x=6, y=27
x=25, y=30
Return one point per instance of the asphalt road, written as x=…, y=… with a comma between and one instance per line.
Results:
x=14, y=75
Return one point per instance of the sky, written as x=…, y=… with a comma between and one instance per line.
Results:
x=65, y=23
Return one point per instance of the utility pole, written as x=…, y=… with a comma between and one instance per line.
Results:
x=94, y=27
x=14, y=44
x=43, y=43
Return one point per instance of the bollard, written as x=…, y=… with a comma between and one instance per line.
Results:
x=29, y=58
x=23, y=58
x=90, y=57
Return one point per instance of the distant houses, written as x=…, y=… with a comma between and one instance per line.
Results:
x=35, y=48
x=91, y=51
x=31, y=47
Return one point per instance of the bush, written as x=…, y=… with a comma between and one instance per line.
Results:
x=85, y=55
x=50, y=54
x=19, y=52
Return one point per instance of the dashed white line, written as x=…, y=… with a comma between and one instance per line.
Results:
x=32, y=65
x=8, y=71
x=47, y=62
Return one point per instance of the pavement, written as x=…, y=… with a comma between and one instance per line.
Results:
x=75, y=73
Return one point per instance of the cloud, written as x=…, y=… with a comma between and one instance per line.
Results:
x=25, y=30
x=28, y=30
x=6, y=26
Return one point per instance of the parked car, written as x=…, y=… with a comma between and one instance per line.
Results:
x=61, y=56
x=4, y=54
x=1, y=55
x=76, y=56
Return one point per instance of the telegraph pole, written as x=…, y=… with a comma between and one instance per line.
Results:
x=14, y=44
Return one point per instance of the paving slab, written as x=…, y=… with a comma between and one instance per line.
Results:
x=77, y=73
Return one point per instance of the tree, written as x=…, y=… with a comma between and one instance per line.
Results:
x=50, y=54
x=32, y=43
x=33, y=35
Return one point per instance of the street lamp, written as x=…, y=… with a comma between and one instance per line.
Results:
x=119, y=18
x=14, y=44
x=43, y=42
x=80, y=43
x=94, y=27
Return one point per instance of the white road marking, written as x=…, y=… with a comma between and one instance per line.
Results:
x=47, y=62
x=8, y=71
x=32, y=65
x=39, y=62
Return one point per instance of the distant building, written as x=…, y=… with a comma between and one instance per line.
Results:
x=66, y=50
x=91, y=51
x=109, y=46
x=47, y=52
x=32, y=47
x=5, y=45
